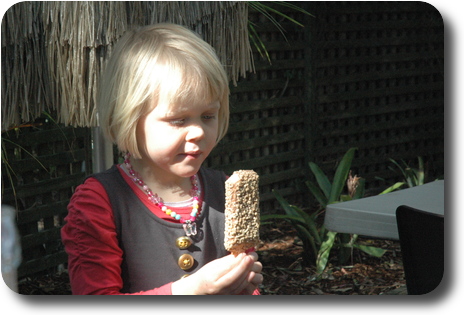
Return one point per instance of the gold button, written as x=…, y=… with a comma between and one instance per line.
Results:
x=185, y=276
x=183, y=242
x=185, y=262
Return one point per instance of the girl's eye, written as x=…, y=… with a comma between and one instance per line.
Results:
x=181, y=121
x=177, y=122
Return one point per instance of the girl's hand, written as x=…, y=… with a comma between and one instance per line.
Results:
x=226, y=275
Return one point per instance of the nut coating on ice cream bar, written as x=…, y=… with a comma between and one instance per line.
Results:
x=242, y=211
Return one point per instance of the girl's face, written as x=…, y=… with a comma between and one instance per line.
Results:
x=176, y=141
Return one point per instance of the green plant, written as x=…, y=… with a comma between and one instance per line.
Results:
x=317, y=241
x=412, y=176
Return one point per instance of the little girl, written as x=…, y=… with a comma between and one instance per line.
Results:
x=155, y=223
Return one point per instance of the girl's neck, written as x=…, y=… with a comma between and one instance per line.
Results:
x=168, y=186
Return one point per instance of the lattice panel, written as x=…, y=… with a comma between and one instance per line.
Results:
x=45, y=163
x=378, y=85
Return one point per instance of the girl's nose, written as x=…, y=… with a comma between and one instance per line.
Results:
x=195, y=133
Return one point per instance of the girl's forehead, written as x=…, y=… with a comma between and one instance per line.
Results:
x=184, y=107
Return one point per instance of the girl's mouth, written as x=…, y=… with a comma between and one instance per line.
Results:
x=192, y=155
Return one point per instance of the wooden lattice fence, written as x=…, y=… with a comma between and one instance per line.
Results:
x=376, y=82
x=42, y=165
x=360, y=74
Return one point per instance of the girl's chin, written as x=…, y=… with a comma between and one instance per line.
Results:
x=189, y=166
x=187, y=171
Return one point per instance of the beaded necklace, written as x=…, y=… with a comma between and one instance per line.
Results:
x=189, y=224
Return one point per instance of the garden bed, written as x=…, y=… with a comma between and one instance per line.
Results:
x=285, y=274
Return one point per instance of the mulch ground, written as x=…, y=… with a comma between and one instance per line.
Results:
x=285, y=274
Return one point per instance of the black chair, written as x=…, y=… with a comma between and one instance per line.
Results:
x=422, y=247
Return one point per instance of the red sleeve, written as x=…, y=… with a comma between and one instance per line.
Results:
x=89, y=237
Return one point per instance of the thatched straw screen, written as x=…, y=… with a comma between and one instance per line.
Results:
x=53, y=52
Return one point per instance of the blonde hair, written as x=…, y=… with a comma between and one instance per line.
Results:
x=159, y=63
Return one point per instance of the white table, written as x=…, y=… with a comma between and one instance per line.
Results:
x=376, y=216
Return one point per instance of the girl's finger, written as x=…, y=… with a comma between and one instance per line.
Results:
x=237, y=279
